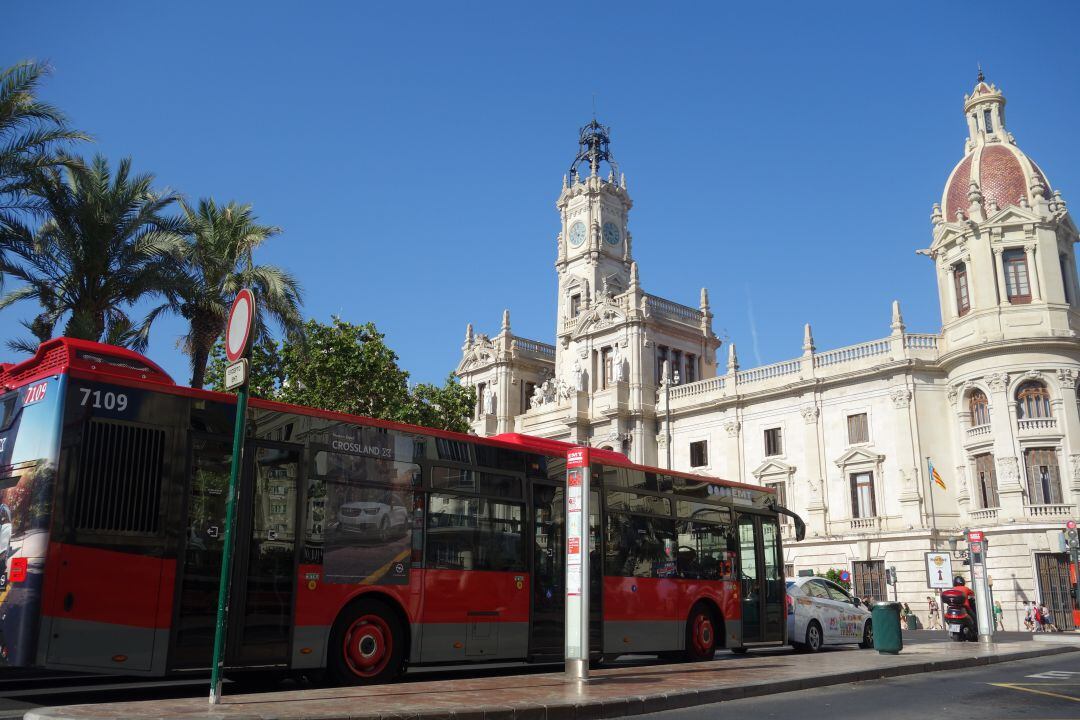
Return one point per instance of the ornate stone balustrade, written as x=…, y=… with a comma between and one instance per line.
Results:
x=701, y=387
x=1037, y=425
x=767, y=372
x=852, y=352
x=659, y=306
x=871, y=524
x=1050, y=511
x=535, y=347
x=986, y=515
x=920, y=342
x=978, y=432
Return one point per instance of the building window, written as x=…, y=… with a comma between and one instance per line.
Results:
x=527, y=390
x=986, y=481
x=699, y=453
x=988, y=123
x=774, y=442
x=607, y=368
x=1063, y=261
x=480, y=387
x=862, y=495
x=691, y=368
x=1017, y=286
x=575, y=305
x=780, y=488
x=963, y=300
x=676, y=364
x=1043, y=476
x=1032, y=401
x=868, y=579
x=661, y=358
x=858, y=429
x=980, y=408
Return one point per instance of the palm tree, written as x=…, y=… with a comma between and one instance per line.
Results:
x=104, y=245
x=30, y=132
x=217, y=263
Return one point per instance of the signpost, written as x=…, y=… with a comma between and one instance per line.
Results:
x=577, y=564
x=939, y=573
x=978, y=544
x=237, y=349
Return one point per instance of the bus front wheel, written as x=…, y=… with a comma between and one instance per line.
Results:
x=701, y=634
x=367, y=645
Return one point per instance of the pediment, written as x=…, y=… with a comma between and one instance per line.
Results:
x=772, y=468
x=860, y=455
x=1013, y=214
x=599, y=317
x=476, y=357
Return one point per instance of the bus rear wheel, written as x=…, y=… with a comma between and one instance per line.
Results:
x=367, y=645
x=700, y=634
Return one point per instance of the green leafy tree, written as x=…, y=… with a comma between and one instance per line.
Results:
x=103, y=246
x=448, y=407
x=217, y=261
x=265, y=371
x=32, y=133
x=346, y=368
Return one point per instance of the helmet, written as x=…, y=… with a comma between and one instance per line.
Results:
x=958, y=581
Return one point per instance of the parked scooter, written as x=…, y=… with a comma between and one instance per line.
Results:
x=960, y=617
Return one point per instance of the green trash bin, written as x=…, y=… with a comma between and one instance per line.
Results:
x=886, y=619
x=912, y=623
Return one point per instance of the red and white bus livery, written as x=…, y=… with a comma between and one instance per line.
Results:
x=362, y=546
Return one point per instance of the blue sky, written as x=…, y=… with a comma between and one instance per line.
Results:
x=784, y=155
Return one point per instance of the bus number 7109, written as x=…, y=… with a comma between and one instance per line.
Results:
x=106, y=400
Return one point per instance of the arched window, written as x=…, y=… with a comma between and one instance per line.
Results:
x=1032, y=401
x=980, y=408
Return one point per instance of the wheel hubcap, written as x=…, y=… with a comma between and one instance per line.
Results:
x=814, y=639
x=368, y=645
x=703, y=634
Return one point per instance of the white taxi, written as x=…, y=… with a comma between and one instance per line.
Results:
x=820, y=613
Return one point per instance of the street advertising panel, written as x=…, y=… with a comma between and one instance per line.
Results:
x=939, y=574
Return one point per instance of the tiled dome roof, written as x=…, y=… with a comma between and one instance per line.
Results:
x=1002, y=173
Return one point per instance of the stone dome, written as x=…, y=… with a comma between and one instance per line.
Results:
x=992, y=164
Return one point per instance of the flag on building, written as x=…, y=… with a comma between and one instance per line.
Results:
x=934, y=474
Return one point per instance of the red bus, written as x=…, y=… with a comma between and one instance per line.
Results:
x=362, y=546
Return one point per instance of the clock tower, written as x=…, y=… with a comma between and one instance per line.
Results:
x=594, y=254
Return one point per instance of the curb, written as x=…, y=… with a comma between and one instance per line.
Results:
x=601, y=709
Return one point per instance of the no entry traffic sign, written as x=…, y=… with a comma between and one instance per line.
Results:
x=238, y=330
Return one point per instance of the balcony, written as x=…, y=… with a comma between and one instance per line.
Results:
x=979, y=432
x=985, y=515
x=869, y=524
x=1050, y=512
x=1037, y=425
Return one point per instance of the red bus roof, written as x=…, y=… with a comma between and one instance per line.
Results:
x=58, y=355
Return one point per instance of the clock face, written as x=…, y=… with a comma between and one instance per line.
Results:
x=577, y=234
x=611, y=234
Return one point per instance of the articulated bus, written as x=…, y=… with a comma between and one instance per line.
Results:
x=362, y=546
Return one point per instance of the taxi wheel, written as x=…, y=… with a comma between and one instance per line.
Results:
x=867, y=636
x=701, y=634
x=367, y=645
x=814, y=637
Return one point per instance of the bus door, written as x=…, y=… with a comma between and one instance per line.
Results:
x=547, y=629
x=761, y=579
x=260, y=612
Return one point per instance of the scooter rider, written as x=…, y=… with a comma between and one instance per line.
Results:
x=969, y=597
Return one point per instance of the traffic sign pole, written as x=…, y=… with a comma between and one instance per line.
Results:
x=978, y=544
x=577, y=564
x=237, y=348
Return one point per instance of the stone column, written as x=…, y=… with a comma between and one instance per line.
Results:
x=1033, y=271
x=1070, y=416
x=999, y=272
x=733, y=429
x=1007, y=464
x=951, y=292
x=910, y=494
x=815, y=478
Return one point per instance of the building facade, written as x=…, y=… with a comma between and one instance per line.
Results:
x=844, y=435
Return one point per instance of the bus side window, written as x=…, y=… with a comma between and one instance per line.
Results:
x=640, y=546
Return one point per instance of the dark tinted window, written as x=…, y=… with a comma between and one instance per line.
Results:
x=705, y=551
x=444, y=478
x=632, y=502
x=472, y=533
x=453, y=450
x=503, y=486
x=689, y=510
x=500, y=458
x=640, y=546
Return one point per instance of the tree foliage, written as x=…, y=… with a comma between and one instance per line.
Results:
x=348, y=368
x=834, y=575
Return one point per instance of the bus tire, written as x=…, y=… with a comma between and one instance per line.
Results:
x=367, y=645
x=701, y=634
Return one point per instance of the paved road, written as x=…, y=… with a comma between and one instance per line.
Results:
x=1040, y=688
x=21, y=690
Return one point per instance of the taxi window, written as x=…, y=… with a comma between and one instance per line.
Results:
x=814, y=589
x=836, y=593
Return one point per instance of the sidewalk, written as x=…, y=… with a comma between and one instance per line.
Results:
x=610, y=693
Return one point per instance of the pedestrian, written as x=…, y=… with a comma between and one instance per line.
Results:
x=906, y=614
x=1036, y=617
x=1029, y=616
x=935, y=616
x=1047, y=619
x=999, y=621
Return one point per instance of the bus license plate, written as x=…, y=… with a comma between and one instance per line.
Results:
x=954, y=628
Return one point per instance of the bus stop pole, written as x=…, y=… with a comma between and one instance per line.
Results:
x=227, y=549
x=577, y=565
